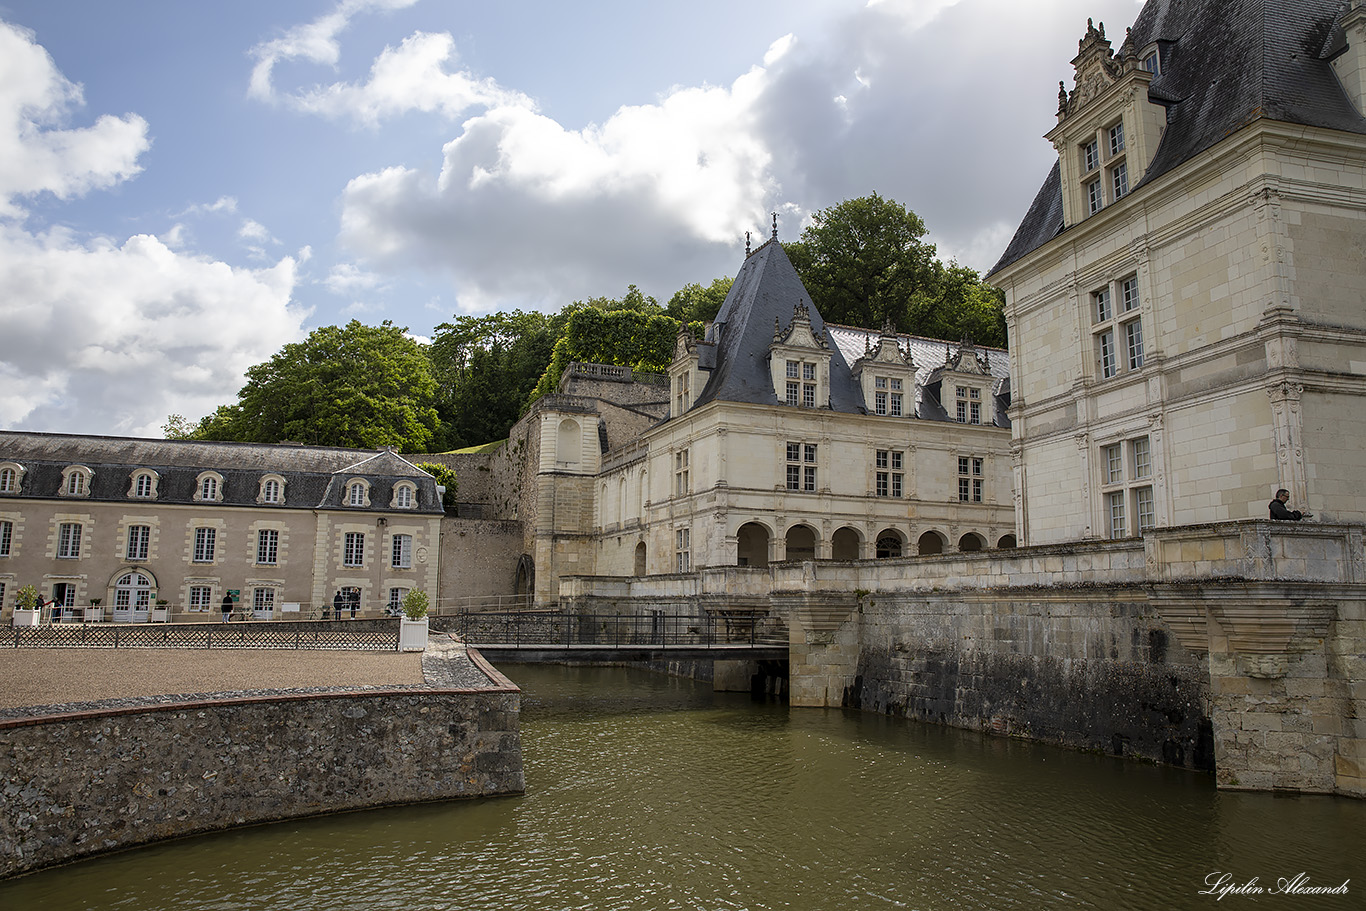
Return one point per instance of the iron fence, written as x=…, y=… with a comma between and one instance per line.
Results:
x=197, y=636
x=618, y=629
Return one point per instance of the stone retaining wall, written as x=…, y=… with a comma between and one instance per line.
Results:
x=82, y=783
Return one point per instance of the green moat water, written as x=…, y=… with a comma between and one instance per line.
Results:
x=645, y=792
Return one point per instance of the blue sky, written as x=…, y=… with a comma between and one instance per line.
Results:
x=185, y=187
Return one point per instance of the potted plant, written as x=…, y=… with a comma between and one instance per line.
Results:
x=28, y=609
x=161, y=613
x=412, y=626
x=94, y=613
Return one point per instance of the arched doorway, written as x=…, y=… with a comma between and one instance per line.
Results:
x=751, y=545
x=132, y=597
x=971, y=542
x=801, y=543
x=640, y=559
x=844, y=544
x=526, y=576
x=930, y=543
x=1006, y=542
x=889, y=544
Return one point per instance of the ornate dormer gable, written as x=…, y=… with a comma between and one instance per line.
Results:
x=1108, y=128
x=967, y=360
x=799, y=362
x=966, y=384
x=684, y=379
x=886, y=376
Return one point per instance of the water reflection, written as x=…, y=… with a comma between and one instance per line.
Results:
x=647, y=792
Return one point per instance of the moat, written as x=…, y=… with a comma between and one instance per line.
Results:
x=648, y=792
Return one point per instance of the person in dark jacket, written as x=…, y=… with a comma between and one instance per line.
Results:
x=353, y=597
x=338, y=603
x=1280, y=511
x=227, y=607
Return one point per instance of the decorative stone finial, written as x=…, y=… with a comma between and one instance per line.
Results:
x=746, y=245
x=775, y=225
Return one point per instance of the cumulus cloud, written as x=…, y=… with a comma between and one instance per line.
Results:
x=100, y=337
x=315, y=42
x=36, y=154
x=914, y=100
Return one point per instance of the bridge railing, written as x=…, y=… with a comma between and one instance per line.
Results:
x=553, y=627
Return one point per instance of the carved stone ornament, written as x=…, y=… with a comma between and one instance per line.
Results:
x=1096, y=69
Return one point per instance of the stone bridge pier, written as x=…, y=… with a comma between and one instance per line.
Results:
x=824, y=639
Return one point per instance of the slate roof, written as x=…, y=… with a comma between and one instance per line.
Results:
x=314, y=476
x=1224, y=65
x=766, y=289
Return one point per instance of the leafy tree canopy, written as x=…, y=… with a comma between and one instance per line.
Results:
x=445, y=476
x=354, y=385
x=694, y=303
x=865, y=262
x=641, y=340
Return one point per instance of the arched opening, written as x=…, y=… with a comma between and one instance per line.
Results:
x=526, y=576
x=929, y=543
x=844, y=544
x=751, y=545
x=569, y=443
x=132, y=597
x=1006, y=542
x=971, y=542
x=889, y=544
x=640, y=559
x=801, y=543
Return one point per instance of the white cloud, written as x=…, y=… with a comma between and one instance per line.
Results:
x=36, y=155
x=346, y=278
x=255, y=231
x=104, y=338
x=97, y=337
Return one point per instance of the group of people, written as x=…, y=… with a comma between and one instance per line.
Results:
x=343, y=600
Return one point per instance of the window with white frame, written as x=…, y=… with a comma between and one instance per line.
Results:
x=139, y=542
x=1090, y=156
x=1095, y=198
x=1127, y=486
x=6, y=538
x=208, y=488
x=263, y=600
x=205, y=540
x=271, y=490
x=1117, y=332
x=402, y=556
x=887, y=396
x=9, y=480
x=880, y=395
x=403, y=496
x=969, y=404
x=1116, y=137
x=144, y=487
x=888, y=478
x=267, y=546
x=682, y=393
x=355, y=494
x=77, y=484
x=396, y=596
x=1119, y=180
x=1151, y=62
x=683, y=549
x=970, y=478
x=69, y=540
x=201, y=597
x=801, y=466
x=682, y=486
x=800, y=384
x=353, y=549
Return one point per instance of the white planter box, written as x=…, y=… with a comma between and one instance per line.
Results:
x=159, y=615
x=412, y=635
x=26, y=617
x=94, y=614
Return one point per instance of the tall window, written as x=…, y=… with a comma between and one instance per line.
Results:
x=396, y=596
x=69, y=540
x=970, y=479
x=681, y=483
x=142, y=486
x=969, y=404
x=1095, y=200
x=1127, y=488
x=683, y=393
x=402, y=557
x=353, y=549
x=1119, y=180
x=356, y=494
x=9, y=482
x=204, y=541
x=75, y=484
x=888, y=480
x=267, y=546
x=683, y=549
x=6, y=538
x=1116, y=137
x=208, y=488
x=880, y=395
x=270, y=491
x=1117, y=332
x=895, y=396
x=801, y=381
x=139, y=539
x=263, y=600
x=403, y=497
x=201, y=597
x=1090, y=156
x=801, y=466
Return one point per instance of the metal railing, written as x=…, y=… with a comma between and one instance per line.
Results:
x=197, y=636
x=650, y=629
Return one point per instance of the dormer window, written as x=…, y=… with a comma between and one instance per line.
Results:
x=405, y=496
x=76, y=481
x=801, y=384
x=210, y=488
x=357, y=494
x=272, y=490
x=11, y=476
x=1151, y=62
x=142, y=486
x=969, y=401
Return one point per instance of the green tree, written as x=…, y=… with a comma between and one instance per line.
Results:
x=445, y=476
x=641, y=340
x=355, y=385
x=865, y=262
x=177, y=427
x=694, y=303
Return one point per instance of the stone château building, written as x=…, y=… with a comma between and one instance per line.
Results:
x=131, y=522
